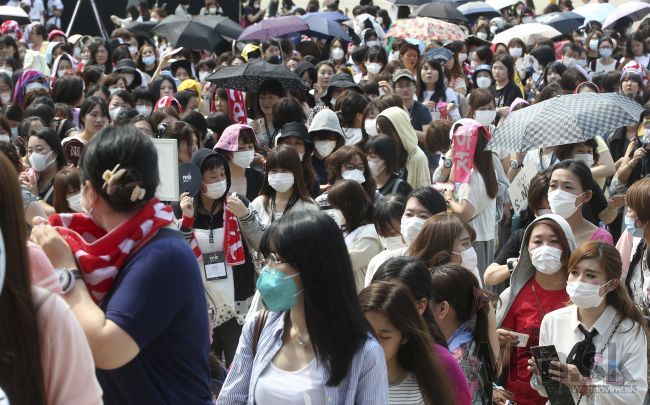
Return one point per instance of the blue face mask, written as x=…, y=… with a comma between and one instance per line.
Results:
x=631, y=227
x=277, y=289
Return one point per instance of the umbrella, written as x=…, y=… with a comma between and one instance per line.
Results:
x=565, y=119
x=249, y=77
x=595, y=11
x=411, y=2
x=329, y=15
x=322, y=28
x=634, y=10
x=501, y=4
x=443, y=54
x=442, y=11
x=563, y=21
x=145, y=26
x=14, y=13
x=226, y=27
x=425, y=29
x=529, y=33
x=476, y=9
x=186, y=32
x=274, y=27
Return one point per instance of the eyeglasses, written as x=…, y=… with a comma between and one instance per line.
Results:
x=353, y=166
x=270, y=259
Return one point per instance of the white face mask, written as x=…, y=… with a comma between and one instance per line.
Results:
x=216, y=190
x=337, y=53
x=325, y=148
x=468, y=258
x=129, y=78
x=562, y=203
x=33, y=86
x=593, y=44
x=569, y=62
x=546, y=259
x=493, y=29
x=355, y=175
x=60, y=73
x=586, y=158
x=5, y=97
x=74, y=202
x=372, y=43
x=483, y=82
x=516, y=52
x=244, y=158
x=144, y=110
x=7, y=71
x=281, y=182
x=149, y=59
x=212, y=10
x=376, y=167
x=39, y=162
x=584, y=295
x=114, y=112
x=5, y=138
x=581, y=62
x=485, y=117
x=410, y=227
x=370, y=126
x=392, y=242
x=482, y=35
x=606, y=52
x=203, y=75
x=462, y=57
x=133, y=50
x=373, y=67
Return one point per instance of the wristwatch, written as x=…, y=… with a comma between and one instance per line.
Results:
x=511, y=264
x=515, y=164
x=447, y=163
x=67, y=278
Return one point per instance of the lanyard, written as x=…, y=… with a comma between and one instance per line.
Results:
x=539, y=304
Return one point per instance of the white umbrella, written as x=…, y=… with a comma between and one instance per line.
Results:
x=500, y=4
x=14, y=13
x=529, y=33
x=595, y=11
x=634, y=10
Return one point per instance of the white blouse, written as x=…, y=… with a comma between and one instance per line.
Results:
x=279, y=387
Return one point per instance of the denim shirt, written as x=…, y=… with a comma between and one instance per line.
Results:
x=365, y=383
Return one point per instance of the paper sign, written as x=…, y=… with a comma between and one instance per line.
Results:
x=465, y=139
x=237, y=106
x=518, y=190
x=167, y=150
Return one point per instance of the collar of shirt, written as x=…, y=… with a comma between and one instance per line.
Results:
x=604, y=324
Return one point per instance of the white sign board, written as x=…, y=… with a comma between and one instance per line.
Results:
x=518, y=190
x=167, y=169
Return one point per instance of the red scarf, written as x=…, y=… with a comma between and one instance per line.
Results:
x=102, y=255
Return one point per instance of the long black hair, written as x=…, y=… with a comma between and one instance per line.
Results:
x=439, y=89
x=313, y=244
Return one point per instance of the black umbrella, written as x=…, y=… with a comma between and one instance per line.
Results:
x=249, y=77
x=144, y=26
x=442, y=11
x=188, y=33
x=226, y=27
x=565, y=21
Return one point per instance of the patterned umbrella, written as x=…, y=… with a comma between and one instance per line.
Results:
x=564, y=119
x=323, y=28
x=274, y=27
x=529, y=33
x=249, y=77
x=425, y=29
x=442, y=54
x=442, y=11
x=634, y=10
x=563, y=21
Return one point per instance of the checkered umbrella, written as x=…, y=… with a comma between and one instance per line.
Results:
x=564, y=119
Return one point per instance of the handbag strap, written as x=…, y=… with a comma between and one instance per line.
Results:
x=260, y=321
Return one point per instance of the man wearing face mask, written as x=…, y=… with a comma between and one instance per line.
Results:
x=327, y=136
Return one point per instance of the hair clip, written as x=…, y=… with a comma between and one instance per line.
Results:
x=111, y=176
x=138, y=193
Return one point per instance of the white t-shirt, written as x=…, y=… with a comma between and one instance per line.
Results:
x=602, y=68
x=485, y=209
x=279, y=387
x=405, y=393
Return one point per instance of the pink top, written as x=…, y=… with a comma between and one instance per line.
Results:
x=68, y=366
x=455, y=374
x=41, y=270
x=602, y=235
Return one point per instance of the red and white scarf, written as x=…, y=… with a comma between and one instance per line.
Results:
x=101, y=255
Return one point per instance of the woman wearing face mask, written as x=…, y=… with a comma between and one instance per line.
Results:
x=67, y=190
x=352, y=210
x=326, y=347
x=637, y=280
x=252, y=13
x=237, y=145
x=455, y=247
x=506, y=258
x=370, y=114
x=349, y=163
x=466, y=318
x=570, y=187
x=373, y=62
x=456, y=66
x=327, y=136
x=349, y=107
x=482, y=108
x=387, y=216
x=594, y=153
x=603, y=323
x=415, y=375
x=431, y=89
x=477, y=198
x=382, y=162
x=517, y=50
x=283, y=191
x=228, y=285
x=117, y=102
x=605, y=63
x=294, y=134
x=147, y=60
x=537, y=287
x=337, y=48
x=482, y=77
x=45, y=156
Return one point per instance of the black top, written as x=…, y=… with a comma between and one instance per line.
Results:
x=505, y=96
x=254, y=181
x=395, y=185
x=420, y=115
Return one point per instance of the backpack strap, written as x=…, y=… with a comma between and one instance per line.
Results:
x=260, y=321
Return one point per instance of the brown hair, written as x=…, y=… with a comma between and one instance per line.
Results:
x=386, y=127
x=285, y=158
x=637, y=197
x=610, y=261
x=437, y=138
x=559, y=232
x=181, y=131
x=538, y=190
x=20, y=338
x=65, y=181
x=353, y=201
x=435, y=241
x=342, y=156
x=160, y=114
x=478, y=98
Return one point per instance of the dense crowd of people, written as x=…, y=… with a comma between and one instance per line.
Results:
x=337, y=249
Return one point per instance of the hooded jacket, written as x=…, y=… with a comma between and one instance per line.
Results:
x=525, y=269
x=417, y=165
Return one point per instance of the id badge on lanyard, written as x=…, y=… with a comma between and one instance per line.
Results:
x=215, y=266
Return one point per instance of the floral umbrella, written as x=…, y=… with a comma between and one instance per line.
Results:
x=425, y=29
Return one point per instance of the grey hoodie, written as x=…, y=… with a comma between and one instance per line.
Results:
x=525, y=269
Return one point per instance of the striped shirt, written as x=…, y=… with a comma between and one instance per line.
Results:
x=365, y=383
x=405, y=393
